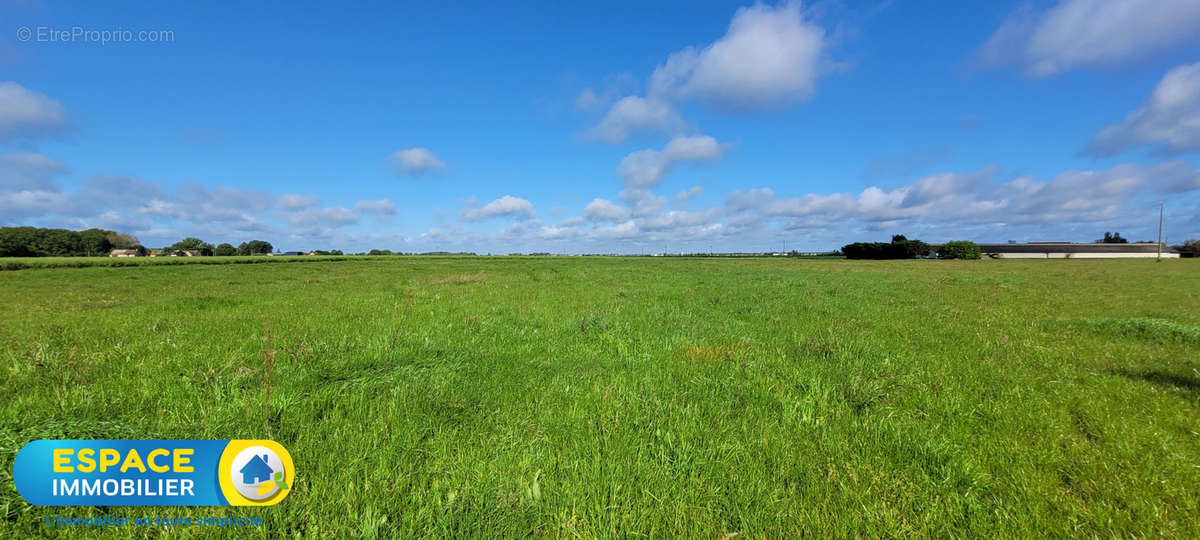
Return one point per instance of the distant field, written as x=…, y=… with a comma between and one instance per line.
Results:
x=605, y=397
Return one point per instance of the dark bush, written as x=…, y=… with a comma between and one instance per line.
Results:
x=961, y=249
x=899, y=248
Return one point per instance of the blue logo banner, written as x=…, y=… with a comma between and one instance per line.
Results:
x=153, y=472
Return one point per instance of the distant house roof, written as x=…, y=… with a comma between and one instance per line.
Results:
x=1068, y=247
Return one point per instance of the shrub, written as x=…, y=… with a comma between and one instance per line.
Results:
x=961, y=249
x=1188, y=249
x=899, y=248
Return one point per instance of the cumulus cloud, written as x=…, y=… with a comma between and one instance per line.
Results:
x=416, y=161
x=631, y=114
x=646, y=168
x=26, y=203
x=1084, y=33
x=613, y=87
x=1168, y=121
x=291, y=201
x=769, y=55
x=383, y=207
x=333, y=216
x=624, y=230
x=690, y=193
x=26, y=114
x=740, y=201
x=588, y=99
x=675, y=220
x=199, y=204
x=28, y=171
x=642, y=201
x=974, y=198
x=506, y=206
x=158, y=215
x=600, y=210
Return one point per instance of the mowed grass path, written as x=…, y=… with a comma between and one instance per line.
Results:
x=605, y=397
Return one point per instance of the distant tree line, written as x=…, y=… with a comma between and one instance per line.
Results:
x=205, y=249
x=902, y=248
x=427, y=253
x=39, y=242
x=899, y=248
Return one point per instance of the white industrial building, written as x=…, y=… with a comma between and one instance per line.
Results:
x=1069, y=250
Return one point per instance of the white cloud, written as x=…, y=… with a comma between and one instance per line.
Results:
x=1085, y=33
x=643, y=202
x=291, y=201
x=972, y=198
x=25, y=113
x=324, y=218
x=157, y=215
x=646, y=168
x=628, y=229
x=506, y=206
x=675, y=220
x=600, y=210
x=612, y=87
x=28, y=171
x=740, y=201
x=193, y=202
x=384, y=207
x=557, y=232
x=690, y=193
x=416, y=161
x=836, y=204
x=588, y=99
x=633, y=113
x=1169, y=120
x=27, y=203
x=770, y=55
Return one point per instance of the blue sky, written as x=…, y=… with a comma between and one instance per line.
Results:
x=602, y=128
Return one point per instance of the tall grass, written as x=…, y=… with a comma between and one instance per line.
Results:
x=607, y=397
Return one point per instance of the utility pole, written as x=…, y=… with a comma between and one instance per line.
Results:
x=1160, y=222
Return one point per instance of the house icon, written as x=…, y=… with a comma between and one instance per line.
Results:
x=256, y=470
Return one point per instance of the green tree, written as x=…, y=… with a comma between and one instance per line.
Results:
x=17, y=241
x=1113, y=238
x=57, y=243
x=1190, y=248
x=94, y=242
x=963, y=249
x=225, y=250
x=255, y=247
x=899, y=248
x=193, y=244
x=37, y=242
x=122, y=241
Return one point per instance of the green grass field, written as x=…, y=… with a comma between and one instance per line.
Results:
x=604, y=397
